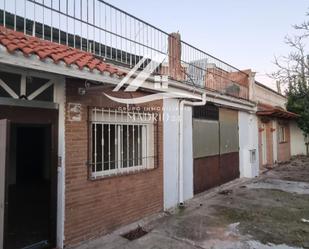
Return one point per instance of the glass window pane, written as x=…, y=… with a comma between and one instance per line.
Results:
x=140, y=145
x=112, y=151
x=125, y=146
x=136, y=147
x=106, y=145
x=131, y=145
x=93, y=146
x=99, y=147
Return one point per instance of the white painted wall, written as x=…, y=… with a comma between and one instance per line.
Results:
x=59, y=96
x=264, y=95
x=248, y=140
x=298, y=146
x=188, y=154
x=171, y=153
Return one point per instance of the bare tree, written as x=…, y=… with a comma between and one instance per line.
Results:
x=294, y=67
x=293, y=73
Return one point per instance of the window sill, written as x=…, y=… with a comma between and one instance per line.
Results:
x=285, y=142
x=118, y=175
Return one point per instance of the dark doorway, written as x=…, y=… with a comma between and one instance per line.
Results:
x=29, y=187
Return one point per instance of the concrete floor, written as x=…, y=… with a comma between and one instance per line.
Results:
x=271, y=211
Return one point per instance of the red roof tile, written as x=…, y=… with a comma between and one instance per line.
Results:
x=17, y=41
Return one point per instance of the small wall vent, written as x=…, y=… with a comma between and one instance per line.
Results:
x=252, y=156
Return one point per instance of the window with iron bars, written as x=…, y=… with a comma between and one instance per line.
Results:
x=121, y=142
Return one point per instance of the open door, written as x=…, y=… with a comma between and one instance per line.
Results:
x=4, y=152
x=28, y=177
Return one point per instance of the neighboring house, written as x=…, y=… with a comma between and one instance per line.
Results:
x=279, y=137
x=215, y=150
x=75, y=165
x=222, y=147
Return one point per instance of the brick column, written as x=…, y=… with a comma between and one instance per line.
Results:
x=174, y=56
x=252, y=94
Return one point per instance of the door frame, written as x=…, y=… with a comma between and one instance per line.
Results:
x=25, y=115
x=274, y=129
x=4, y=153
x=264, y=144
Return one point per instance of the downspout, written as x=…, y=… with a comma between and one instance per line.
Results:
x=182, y=104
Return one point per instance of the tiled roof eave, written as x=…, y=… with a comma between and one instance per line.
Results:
x=49, y=67
x=46, y=51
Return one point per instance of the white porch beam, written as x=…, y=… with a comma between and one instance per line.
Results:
x=8, y=89
x=40, y=90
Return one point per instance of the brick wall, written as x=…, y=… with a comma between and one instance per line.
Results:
x=223, y=81
x=174, y=55
x=93, y=208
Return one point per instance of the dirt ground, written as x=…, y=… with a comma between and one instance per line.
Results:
x=271, y=211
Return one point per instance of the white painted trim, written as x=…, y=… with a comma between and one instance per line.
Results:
x=228, y=103
x=59, y=97
x=8, y=89
x=28, y=103
x=40, y=90
x=28, y=72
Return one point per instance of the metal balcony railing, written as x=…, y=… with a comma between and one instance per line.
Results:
x=121, y=38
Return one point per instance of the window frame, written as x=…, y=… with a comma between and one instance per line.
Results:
x=282, y=134
x=148, y=139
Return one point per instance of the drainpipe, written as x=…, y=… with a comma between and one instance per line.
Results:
x=182, y=104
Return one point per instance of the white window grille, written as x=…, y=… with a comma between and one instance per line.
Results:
x=121, y=142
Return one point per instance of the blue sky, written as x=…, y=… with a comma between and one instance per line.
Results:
x=244, y=33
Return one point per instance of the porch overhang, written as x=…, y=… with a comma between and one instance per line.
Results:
x=277, y=113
